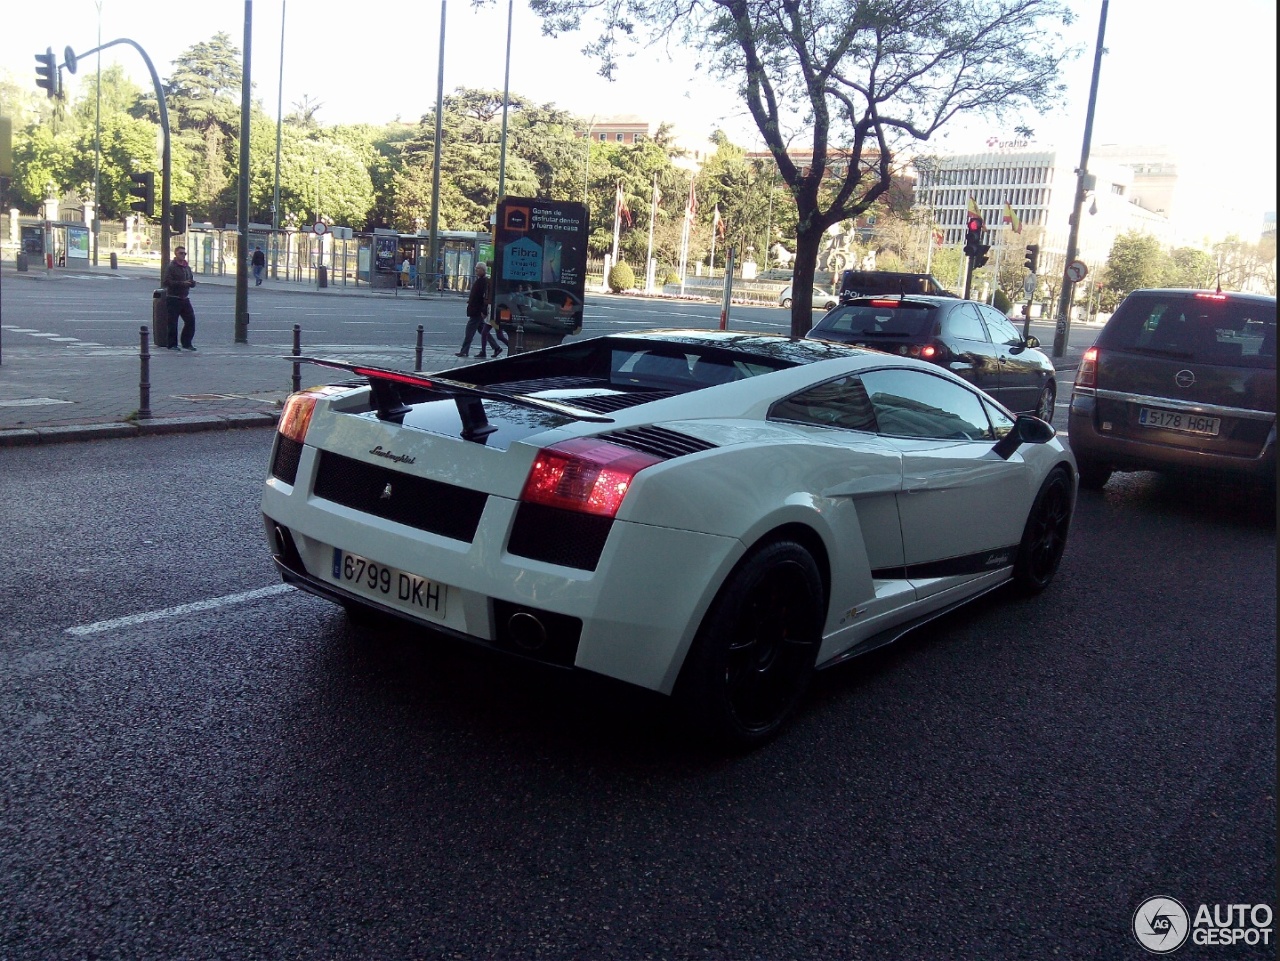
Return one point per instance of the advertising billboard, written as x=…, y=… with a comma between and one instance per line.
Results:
x=540, y=262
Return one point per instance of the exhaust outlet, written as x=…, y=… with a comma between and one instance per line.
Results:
x=527, y=631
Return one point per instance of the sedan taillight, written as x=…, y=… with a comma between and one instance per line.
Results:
x=584, y=475
x=1087, y=375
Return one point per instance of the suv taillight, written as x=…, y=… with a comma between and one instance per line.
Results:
x=1087, y=375
x=584, y=475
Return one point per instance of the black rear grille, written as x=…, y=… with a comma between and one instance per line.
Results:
x=414, y=501
x=558, y=536
x=658, y=441
x=608, y=403
x=284, y=462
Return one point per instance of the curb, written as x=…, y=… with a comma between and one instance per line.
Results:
x=32, y=436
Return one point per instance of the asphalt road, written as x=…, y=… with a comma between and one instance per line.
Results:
x=199, y=763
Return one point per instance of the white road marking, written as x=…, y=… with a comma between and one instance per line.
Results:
x=33, y=402
x=134, y=619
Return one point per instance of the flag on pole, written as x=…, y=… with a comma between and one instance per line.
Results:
x=1011, y=218
x=973, y=207
x=938, y=237
x=717, y=222
x=623, y=211
x=691, y=208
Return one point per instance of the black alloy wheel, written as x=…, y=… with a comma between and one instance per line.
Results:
x=1045, y=537
x=754, y=654
x=1044, y=406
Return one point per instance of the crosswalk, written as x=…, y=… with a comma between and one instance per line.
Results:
x=49, y=337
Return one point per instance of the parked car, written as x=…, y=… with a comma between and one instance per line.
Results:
x=866, y=283
x=821, y=299
x=551, y=308
x=1179, y=380
x=969, y=339
x=707, y=514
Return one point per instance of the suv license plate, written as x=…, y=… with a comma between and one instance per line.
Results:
x=1179, y=420
x=389, y=584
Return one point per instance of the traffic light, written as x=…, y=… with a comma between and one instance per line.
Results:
x=47, y=74
x=980, y=255
x=973, y=235
x=179, y=219
x=144, y=188
x=1033, y=257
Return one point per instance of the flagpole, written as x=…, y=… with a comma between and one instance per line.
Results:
x=713, y=252
x=617, y=220
x=648, y=257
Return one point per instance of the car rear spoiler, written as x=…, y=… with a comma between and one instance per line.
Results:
x=386, y=385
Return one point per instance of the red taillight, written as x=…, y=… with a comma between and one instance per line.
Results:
x=1087, y=375
x=928, y=352
x=1211, y=296
x=886, y=303
x=584, y=475
x=296, y=416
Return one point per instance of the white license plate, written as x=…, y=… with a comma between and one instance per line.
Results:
x=389, y=584
x=1178, y=420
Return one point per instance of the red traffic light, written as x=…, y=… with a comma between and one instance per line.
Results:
x=975, y=223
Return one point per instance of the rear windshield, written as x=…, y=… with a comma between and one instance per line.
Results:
x=864, y=320
x=1204, y=329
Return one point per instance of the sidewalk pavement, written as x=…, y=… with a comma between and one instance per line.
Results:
x=87, y=393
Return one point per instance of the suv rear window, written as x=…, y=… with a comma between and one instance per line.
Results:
x=866, y=320
x=1205, y=328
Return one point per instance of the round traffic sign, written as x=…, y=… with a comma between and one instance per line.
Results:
x=319, y=228
x=1076, y=271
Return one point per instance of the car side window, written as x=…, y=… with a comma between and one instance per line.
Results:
x=915, y=403
x=836, y=403
x=1002, y=331
x=964, y=323
x=1001, y=423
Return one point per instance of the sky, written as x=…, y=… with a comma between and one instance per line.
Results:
x=1205, y=88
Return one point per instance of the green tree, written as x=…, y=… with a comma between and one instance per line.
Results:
x=853, y=84
x=1136, y=260
x=1190, y=267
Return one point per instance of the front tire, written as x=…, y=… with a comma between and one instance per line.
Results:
x=755, y=650
x=786, y=303
x=1045, y=536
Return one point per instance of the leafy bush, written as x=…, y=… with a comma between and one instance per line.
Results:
x=671, y=278
x=1001, y=302
x=621, y=277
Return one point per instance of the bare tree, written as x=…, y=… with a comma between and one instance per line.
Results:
x=837, y=88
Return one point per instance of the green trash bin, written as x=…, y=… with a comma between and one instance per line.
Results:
x=160, y=318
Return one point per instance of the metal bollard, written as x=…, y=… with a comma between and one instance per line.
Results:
x=144, y=382
x=417, y=352
x=297, y=352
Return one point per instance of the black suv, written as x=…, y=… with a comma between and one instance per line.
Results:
x=866, y=283
x=1179, y=379
x=969, y=339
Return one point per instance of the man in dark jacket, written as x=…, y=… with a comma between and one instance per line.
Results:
x=178, y=281
x=259, y=262
x=477, y=307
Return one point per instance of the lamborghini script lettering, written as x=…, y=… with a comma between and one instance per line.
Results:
x=380, y=451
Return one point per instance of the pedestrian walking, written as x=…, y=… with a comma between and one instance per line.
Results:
x=477, y=309
x=259, y=262
x=178, y=281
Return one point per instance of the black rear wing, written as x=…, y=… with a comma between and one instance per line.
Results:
x=386, y=386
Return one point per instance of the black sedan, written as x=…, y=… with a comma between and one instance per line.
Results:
x=969, y=339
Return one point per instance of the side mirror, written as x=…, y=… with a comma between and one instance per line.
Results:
x=1027, y=429
x=1032, y=341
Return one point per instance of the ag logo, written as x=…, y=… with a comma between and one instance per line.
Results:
x=1161, y=925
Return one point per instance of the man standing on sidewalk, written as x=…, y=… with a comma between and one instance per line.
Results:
x=178, y=281
x=259, y=262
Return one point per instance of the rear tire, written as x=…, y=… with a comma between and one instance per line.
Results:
x=1044, y=406
x=755, y=650
x=1093, y=475
x=786, y=303
x=1045, y=536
